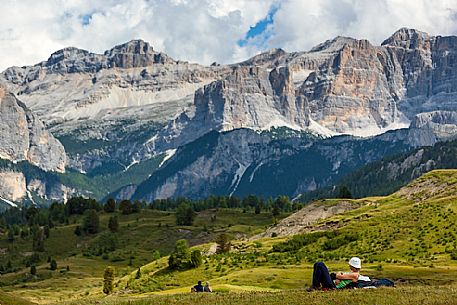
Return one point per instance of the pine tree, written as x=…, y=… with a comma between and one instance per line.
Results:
x=46, y=231
x=110, y=206
x=223, y=243
x=184, y=215
x=53, y=264
x=138, y=273
x=10, y=235
x=91, y=223
x=113, y=224
x=108, y=280
x=126, y=207
x=344, y=193
x=38, y=240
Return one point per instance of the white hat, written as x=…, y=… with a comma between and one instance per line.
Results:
x=355, y=262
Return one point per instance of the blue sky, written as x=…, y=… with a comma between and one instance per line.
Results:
x=260, y=29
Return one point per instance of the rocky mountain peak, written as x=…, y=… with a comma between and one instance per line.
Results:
x=268, y=57
x=135, y=53
x=136, y=46
x=69, y=53
x=333, y=45
x=407, y=38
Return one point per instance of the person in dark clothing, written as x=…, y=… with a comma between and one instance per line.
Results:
x=199, y=287
x=321, y=277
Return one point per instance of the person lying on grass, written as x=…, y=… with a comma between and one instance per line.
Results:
x=322, y=278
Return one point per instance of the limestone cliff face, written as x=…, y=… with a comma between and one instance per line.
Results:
x=249, y=97
x=25, y=138
x=12, y=185
x=341, y=86
x=356, y=92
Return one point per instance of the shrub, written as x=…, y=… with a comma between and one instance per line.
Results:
x=299, y=241
x=454, y=255
x=196, y=259
x=337, y=242
x=180, y=258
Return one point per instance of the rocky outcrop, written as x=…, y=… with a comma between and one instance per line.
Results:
x=12, y=185
x=305, y=220
x=25, y=138
x=443, y=124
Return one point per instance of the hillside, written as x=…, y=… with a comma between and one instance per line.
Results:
x=389, y=174
x=141, y=237
x=408, y=236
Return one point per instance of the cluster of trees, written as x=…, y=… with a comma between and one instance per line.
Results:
x=59, y=213
x=253, y=202
x=182, y=258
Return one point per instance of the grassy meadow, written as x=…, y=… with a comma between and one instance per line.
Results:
x=409, y=237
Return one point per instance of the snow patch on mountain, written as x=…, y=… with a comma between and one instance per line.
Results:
x=9, y=202
x=168, y=154
x=237, y=177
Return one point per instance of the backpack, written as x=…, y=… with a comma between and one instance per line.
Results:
x=375, y=283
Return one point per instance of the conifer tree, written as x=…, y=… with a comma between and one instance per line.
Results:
x=108, y=280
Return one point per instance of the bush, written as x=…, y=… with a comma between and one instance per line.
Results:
x=180, y=259
x=454, y=255
x=196, y=259
x=299, y=241
x=339, y=241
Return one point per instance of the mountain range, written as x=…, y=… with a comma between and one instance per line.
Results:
x=135, y=123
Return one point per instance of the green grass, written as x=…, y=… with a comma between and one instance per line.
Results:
x=138, y=237
x=407, y=237
x=387, y=296
x=7, y=299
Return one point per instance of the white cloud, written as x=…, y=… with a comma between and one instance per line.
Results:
x=205, y=30
x=300, y=25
